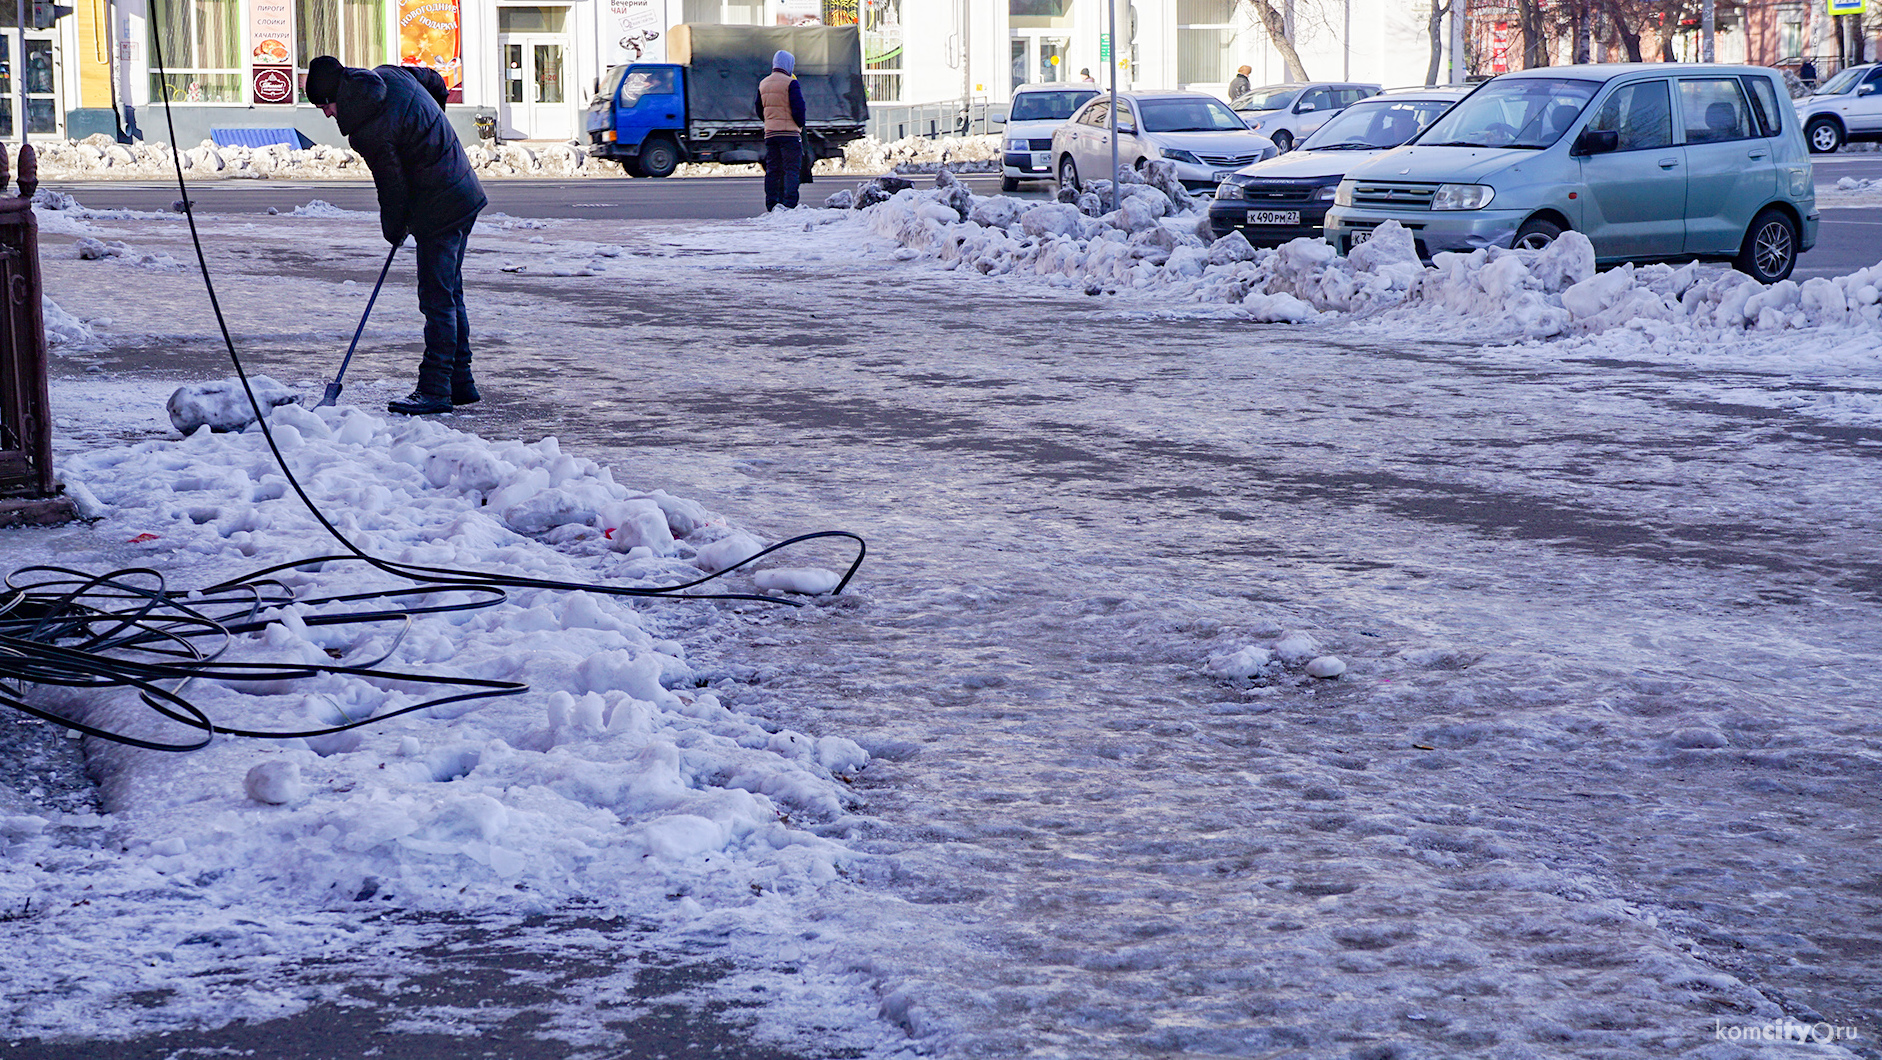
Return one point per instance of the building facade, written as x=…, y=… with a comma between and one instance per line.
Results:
x=532, y=64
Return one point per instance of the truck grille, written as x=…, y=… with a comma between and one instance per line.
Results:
x=1394, y=194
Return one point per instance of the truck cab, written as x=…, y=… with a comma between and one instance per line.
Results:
x=638, y=118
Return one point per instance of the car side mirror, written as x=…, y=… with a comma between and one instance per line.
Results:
x=1596, y=142
x=1866, y=90
x=996, y=119
x=1305, y=108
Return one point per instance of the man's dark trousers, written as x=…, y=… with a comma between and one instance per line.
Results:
x=447, y=364
x=783, y=154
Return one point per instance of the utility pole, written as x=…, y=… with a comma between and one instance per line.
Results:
x=967, y=67
x=19, y=71
x=1706, y=23
x=1115, y=104
x=1346, y=44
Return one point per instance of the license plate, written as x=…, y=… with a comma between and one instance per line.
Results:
x=1042, y=160
x=1220, y=175
x=1361, y=236
x=1274, y=217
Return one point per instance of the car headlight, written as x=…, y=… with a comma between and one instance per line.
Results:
x=1228, y=190
x=1462, y=197
x=1343, y=194
x=1016, y=145
x=1325, y=194
x=1177, y=154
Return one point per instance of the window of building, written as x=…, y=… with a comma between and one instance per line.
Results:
x=1205, y=31
x=202, y=54
x=726, y=12
x=352, y=31
x=882, y=50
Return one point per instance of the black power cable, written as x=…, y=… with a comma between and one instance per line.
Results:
x=61, y=627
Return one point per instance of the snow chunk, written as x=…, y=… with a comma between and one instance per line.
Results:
x=223, y=405
x=274, y=783
x=807, y=580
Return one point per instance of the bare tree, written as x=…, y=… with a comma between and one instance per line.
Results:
x=1276, y=24
x=1435, y=25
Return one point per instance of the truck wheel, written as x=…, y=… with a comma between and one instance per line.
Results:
x=631, y=167
x=659, y=158
x=1824, y=136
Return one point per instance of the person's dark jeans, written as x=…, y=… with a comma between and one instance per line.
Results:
x=447, y=363
x=783, y=154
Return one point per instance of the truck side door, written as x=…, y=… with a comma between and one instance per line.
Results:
x=651, y=98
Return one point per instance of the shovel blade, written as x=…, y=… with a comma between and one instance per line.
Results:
x=332, y=395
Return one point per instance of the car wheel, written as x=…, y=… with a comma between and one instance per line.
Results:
x=1824, y=136
x=1283, y=141
x=1009, y=184
x=659, y=158
x=1068, y=173
x=1535, y=234
x=1770, y=249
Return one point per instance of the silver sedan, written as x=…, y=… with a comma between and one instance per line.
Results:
x=1199, y=133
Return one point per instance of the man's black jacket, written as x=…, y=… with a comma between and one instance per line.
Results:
x=394, y=117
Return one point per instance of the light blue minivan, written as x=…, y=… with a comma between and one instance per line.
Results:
x=1651, y=161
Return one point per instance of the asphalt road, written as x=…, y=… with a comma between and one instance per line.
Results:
x=1846, y=239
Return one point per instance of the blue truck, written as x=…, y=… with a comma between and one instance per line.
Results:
x=702, y=106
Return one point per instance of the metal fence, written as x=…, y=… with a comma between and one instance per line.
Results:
x=897, y=121
x=26, y=479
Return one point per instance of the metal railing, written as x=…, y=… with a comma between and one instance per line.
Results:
x=898, y=121
x=26, y=479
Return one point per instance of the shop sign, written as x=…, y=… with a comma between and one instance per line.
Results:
x=638, y=27
x=271, y=50
x=428, y=36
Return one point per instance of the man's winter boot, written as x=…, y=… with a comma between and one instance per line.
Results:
x=419, y=403
x=464, y=392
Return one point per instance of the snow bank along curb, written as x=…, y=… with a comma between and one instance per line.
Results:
x=619, y=779
x=1159, y=241
x=100, y=157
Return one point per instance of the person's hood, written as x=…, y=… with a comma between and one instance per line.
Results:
x=361, y=97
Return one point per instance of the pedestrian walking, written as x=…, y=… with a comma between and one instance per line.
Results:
x=1085, y=76
x=781, y=104
x=1807, y=73
x=394, y=117
x=1238, y=85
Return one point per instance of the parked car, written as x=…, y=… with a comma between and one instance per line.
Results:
x=1652, y=161
x=1846, y=107
x=1199, y=133
x=1036, y=110
x=1287, y=197
x=1288, y=114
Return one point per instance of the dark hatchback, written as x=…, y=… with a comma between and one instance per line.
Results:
x=1287, y=197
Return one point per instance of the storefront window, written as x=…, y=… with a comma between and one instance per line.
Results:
x=1204, y=34
x=882, y=50
x=352, y=31
x=199, y=42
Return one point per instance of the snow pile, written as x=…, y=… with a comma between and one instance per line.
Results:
x=1155, y=242
x=619, y=778
x=64, y=329
x=1266, y=665
x=90, y=249
x=223, y=405
x=99, y=156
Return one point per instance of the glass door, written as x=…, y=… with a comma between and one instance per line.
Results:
x=535, y=95
x=42, y=110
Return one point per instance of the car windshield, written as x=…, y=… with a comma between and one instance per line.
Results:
x=1842, y=82
x=1273, y=97
x=1375, y=125
x=1187, y=115
x=1055, y=105
x=1522, y=112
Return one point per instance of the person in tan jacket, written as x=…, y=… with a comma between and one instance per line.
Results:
x=781, y=103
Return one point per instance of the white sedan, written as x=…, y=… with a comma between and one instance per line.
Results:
x=1199, y=133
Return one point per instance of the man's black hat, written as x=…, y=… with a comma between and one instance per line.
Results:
x=324, y=75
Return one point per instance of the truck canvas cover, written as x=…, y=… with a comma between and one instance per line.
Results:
x=725, y=64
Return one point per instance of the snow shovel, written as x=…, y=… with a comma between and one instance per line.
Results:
x=333, y=389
